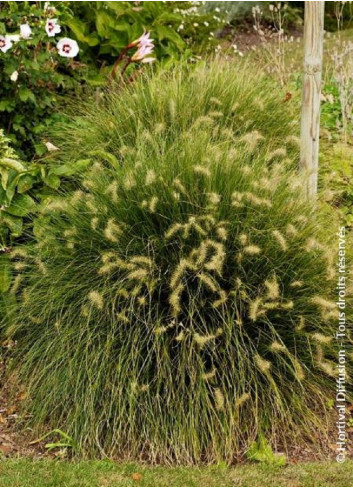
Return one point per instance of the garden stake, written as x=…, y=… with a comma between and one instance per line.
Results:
x=310, y=116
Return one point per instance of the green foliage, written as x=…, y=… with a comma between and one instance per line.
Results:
x=15, y=203
x=336, y=180
x=180, y=302
x=331, y=110
x=31, y=103
x=179, y=28
x=65, y=441
x=261, y=451
x=338, y=15
x=336, y=175
x=22, y=185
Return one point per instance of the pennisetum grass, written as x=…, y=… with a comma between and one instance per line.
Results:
x=171, y=309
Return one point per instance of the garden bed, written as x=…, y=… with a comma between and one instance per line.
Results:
x=167, y=296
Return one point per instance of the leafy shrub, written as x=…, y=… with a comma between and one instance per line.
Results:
x=34, y=78
x=18, y=179
x=180, y=29
x=22, y=187
x=179, y=304
x=36, y=82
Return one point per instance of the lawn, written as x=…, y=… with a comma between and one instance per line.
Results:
x=49, y=473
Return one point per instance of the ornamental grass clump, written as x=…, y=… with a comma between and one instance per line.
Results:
x=179, y=304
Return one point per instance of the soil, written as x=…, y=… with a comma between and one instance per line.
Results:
x=15, y=439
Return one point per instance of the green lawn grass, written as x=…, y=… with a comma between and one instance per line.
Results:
x=26, y=472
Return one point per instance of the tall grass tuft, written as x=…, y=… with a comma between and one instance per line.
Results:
x=174, y=308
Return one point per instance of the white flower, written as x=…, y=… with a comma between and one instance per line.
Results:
x=143, y=41
x=14, y=76
x=67, y=47
x=26, y=31
x=145, y=47
x=148, y=60
x=52, y=27
x=50, y=146
x=13, y=37
x=5, y=43
x=142, y=52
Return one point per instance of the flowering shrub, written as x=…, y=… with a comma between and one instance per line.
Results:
x=179, y=304
x=34, y=74
x=181, y=29
x=35, y=77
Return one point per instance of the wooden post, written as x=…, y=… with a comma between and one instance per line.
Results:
x=310, y=116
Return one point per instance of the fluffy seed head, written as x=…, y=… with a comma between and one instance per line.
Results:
x=321, y=338
x=96, y=298
x=209, y=375
x=222, y=233
x=208, y=281
x=94, y=223
x=112, y=231
x=291, y=230
x=262, y=364
x=16, y=284
x=323, y=303
x=203, y=340
x=277, y=347
x=255, y=309
x=243, y=239
x=242, y=399
x=280, y=239
x=296, y=283
x=272, y=288
x=202, y=170
x=252, y=250
x=153, y=204
x=150, y=177
x=299, y=371
x=219, y=399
